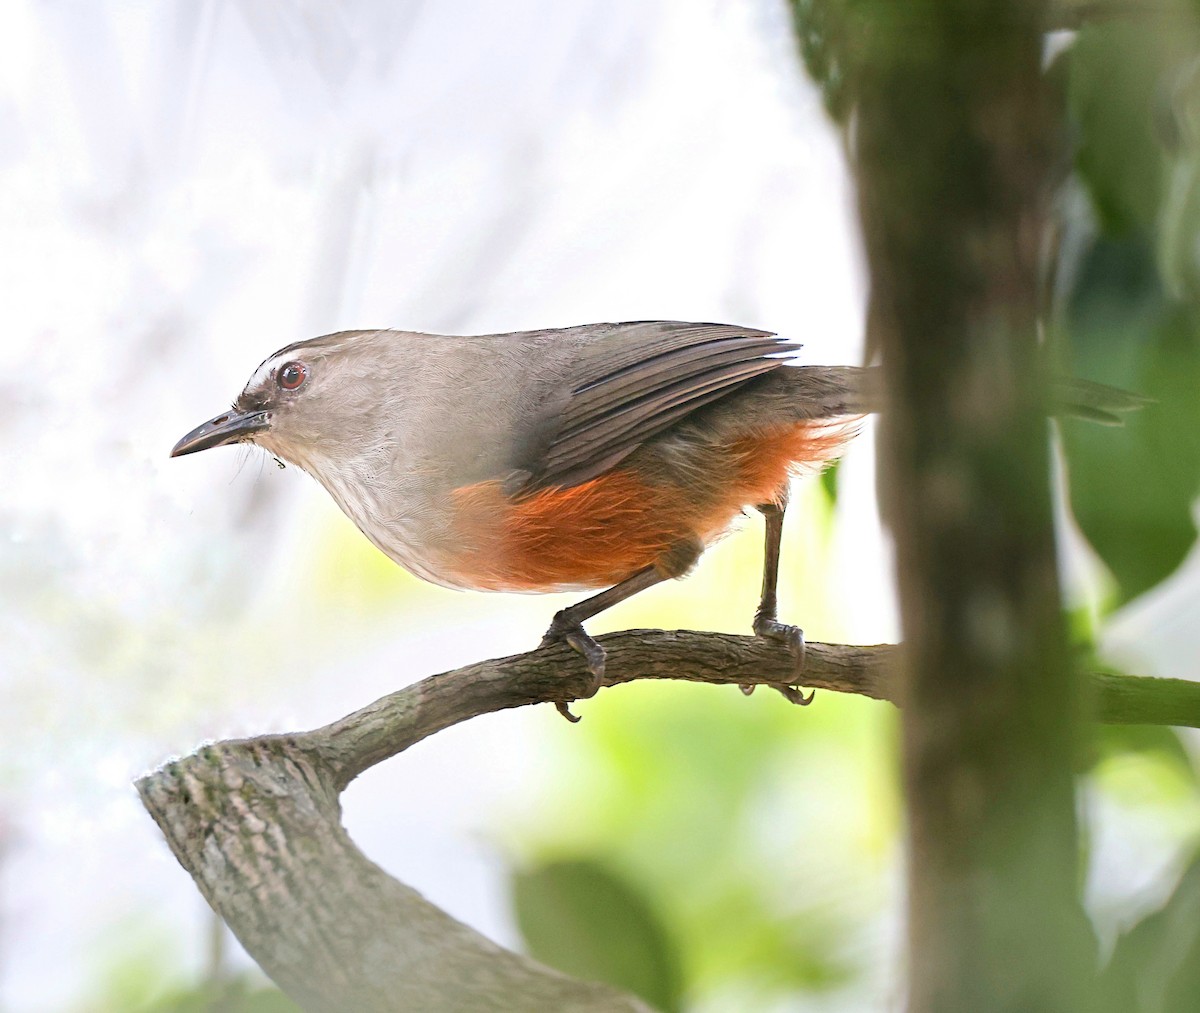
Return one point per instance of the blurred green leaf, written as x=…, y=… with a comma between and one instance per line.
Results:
x=135, y=986
x=1115, y=91
x=1179, y=220
x=706, y=798
x=829, y=482
x=581, y=918
x=1155, y=967
x=1159, y=741
x=1132, y=488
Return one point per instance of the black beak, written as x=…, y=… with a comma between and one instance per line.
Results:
x=232, y=427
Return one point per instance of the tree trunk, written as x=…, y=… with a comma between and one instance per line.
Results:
x=953, y=146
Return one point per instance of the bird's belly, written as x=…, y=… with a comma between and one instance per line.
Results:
x=597, y=533
x=590, y=535
x=408, y=528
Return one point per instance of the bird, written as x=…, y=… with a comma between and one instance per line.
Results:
x=604, y=457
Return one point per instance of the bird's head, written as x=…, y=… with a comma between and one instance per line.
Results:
x=310, y=403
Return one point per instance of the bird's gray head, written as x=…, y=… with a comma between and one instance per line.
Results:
x=313, y=403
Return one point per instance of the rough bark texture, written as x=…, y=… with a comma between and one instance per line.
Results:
x=953, y=149
x=257, y=822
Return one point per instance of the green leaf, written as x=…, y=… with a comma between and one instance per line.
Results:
x=829, y=482
x=1159, y=741
x=232, y=995
x=1132, y=488
x=1177, y=248
x=1116, y=70
x=582, y=919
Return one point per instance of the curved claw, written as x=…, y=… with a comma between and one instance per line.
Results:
x=791, y=637
x=794, y=695
x=580, y=641
x=564, y=709
x=593, y=655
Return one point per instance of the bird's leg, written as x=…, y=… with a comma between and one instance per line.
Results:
x=567, y=625
x=766, y=622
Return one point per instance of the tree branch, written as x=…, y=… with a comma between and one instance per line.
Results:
x=557, y=674
x=256, y=822
x=1138, y=700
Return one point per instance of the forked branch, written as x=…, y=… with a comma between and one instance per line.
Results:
x=257, y=822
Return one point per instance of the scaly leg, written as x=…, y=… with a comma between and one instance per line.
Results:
x=766, y=621
x=567, y=625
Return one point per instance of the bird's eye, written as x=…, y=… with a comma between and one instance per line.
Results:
x=292, y=375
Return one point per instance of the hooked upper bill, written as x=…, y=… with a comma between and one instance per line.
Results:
x=231, y=427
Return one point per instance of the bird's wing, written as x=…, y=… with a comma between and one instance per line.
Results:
x=639, y=380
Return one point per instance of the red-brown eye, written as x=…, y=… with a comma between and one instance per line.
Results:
x=291, y=375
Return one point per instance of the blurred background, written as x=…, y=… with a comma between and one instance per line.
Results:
x=185, y=188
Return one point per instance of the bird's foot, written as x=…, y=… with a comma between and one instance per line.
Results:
x=792, y=637
x=565, y=631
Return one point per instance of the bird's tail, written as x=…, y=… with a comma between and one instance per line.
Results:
x=833, y=391
x=1096, y=402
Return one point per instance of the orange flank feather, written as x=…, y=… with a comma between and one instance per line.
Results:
x=601, y=531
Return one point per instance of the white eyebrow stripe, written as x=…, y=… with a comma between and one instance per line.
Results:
x=301, y=351
x=263, y=373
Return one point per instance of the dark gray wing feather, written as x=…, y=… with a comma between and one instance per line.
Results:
x=642, y=379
